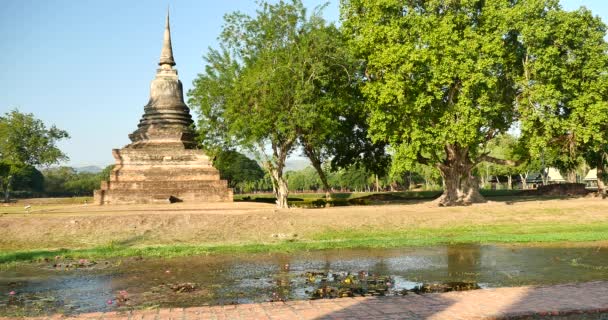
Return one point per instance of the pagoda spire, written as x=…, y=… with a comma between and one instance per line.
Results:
x=166, y=55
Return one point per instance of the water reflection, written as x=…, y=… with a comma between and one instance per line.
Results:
x=464, y=262
x=40, y=288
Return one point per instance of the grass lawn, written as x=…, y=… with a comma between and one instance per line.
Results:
x=87, y=231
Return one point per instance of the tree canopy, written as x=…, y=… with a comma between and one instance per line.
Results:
x=446, y=77
x=274, y=84
x=238, y=169
x=409, y=89
x=26, y=142
x=564, y=88
x=441, y=80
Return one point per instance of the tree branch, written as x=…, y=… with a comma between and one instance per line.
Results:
x=422, y=160
x=491, y=159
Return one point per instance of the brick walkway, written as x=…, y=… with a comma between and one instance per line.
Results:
x=564, y=302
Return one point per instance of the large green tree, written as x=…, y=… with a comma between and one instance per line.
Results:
x=564, y=88
x=239, y=170
x=26, y=141
x=441, y=80
x=273, y=85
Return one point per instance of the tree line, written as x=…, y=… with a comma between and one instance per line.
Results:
x=409, y=85
x=28, y=150
x=399, y=88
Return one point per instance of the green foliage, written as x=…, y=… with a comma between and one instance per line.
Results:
x=26, y=140
x=263, y=84
x=440, y=80
x=241, y=172
x=445, y=78
x=352, y=178
x=405, y=175
x=273, y=83
x=564, y=86
x=66, y=181
x=303, y=180
x=56, y=178
x=105, y=173
x=358, y=178
x=438, y=72
x=26, y=143
x=27, y=178
x=280, y=79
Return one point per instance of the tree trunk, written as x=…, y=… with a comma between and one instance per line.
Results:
x=279, y=186
x=314, y=158
x=601, y=175
x=487, y=175
x=601, y=186
x=571, y=176
x=545, y=176
x=451, y=179
x=509, y=182
x=470, y=189
x=523, y=177
x=460, y=186
x=275, y=167
x=407, y=180
x=7, y=189
x=377, y=184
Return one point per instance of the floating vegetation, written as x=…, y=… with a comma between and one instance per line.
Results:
x=575, y=263
x=341, y=285
x=344, y=284
x=183, y=287
x=63, y=264
x=36, y=304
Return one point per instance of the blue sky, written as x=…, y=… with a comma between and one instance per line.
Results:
x=86, y=66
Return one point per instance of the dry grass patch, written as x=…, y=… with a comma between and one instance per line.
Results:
x=79, y=226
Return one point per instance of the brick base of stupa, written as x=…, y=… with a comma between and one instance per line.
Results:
x=162, y=176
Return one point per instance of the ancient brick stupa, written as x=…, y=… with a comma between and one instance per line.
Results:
x=162, y=163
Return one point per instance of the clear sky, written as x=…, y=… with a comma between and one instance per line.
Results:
x=86, y=66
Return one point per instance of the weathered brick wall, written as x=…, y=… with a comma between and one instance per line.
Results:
x=162, y=175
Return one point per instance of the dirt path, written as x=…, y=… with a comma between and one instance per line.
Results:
x=570, y=301
x=79, y=226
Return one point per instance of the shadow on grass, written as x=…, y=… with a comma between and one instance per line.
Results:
x=521, y=199
x=313, y=200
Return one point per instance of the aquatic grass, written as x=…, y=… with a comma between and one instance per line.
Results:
x=339, y=239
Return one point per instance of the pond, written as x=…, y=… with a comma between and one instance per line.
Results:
x=71, y=287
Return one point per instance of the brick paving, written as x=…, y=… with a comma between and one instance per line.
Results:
x=560, y=302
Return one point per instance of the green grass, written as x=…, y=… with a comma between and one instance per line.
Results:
x=64, y=200
x=341, y=239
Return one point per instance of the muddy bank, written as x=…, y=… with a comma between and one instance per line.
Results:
x=81, y=226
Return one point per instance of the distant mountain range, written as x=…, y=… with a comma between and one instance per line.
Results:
x=89, y=169
x=293, y=164
x=296, y=164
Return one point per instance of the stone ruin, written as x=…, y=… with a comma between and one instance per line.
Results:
x=162, y=163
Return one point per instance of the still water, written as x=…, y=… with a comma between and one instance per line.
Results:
x=72, y=287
